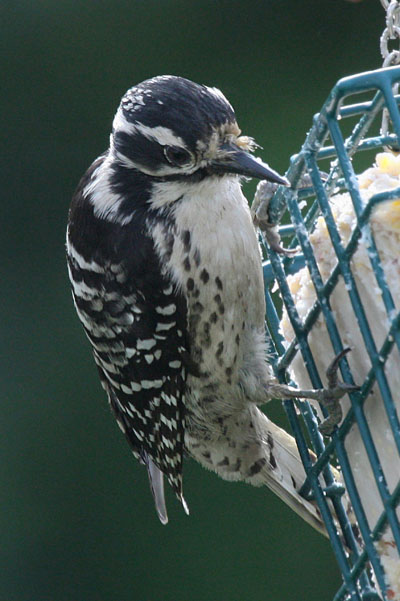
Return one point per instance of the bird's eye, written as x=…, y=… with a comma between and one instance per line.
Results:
x=177, y=156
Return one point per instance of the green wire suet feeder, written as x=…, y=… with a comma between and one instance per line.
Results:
x=336, y=292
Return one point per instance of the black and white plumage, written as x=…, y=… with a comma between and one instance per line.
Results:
x=166, y=277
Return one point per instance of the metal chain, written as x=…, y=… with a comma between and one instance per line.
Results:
x=390, y=57
x=391, y=32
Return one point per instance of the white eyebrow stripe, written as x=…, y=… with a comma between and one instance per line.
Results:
x=163, y=135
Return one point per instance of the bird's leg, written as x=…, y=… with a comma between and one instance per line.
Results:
x=329, y=397
x=260, y=212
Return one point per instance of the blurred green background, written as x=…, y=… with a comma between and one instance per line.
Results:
x=77, y=520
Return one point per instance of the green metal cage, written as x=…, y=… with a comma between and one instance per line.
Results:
x=354, y=106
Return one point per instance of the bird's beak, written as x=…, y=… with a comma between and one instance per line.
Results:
x=233, y=159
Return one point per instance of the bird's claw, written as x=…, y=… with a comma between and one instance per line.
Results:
x=259, y=211
x=333, y=393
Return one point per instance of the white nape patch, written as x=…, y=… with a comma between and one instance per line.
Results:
x=168, y=310
x=162, y=135
x=83, y=264
x=146, y=344
x=121, y=124
x=98, y=191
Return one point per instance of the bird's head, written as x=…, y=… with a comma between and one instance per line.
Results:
x=172, y=129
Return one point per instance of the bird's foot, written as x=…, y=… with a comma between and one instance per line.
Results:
x=329, y=397
x=332, y=395
x=260, y=214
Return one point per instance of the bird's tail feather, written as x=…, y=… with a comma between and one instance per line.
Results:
x=156, y=478
x=254, y=450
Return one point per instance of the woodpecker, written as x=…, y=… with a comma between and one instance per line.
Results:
x=166, y=277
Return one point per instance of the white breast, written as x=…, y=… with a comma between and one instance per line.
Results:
x=216, y=262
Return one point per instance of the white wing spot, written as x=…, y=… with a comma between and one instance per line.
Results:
x=169, y=400
x=151, y=384
x=166, y=421
x=168, y=310
x=137, y=434
x=146, y=345
x=121, y=426
x=83, y=264
x=165, y=326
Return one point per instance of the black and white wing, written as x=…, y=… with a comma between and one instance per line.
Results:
x=135, y=320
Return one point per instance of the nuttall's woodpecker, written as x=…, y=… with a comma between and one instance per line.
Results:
x=167, y=281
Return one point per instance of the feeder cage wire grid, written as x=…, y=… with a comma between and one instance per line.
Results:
x=356, y=102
